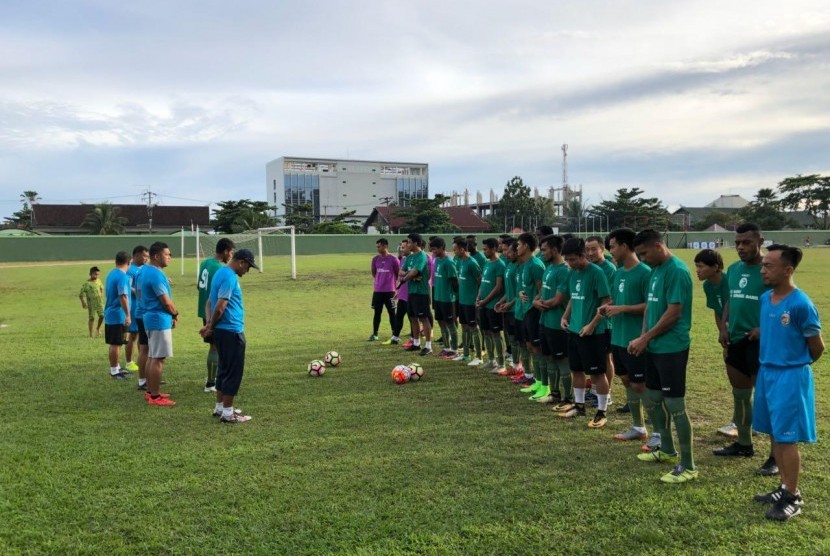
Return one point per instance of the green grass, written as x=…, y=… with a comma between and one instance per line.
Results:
x=459, y=463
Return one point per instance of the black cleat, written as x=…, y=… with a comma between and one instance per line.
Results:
x=425, y=351
x=735, y=450
x=770, y=497
x=769, y=468
x=787, y=506
x=624, y=409
x=413, y=348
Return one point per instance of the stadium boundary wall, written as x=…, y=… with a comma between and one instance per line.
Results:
x=97, y=248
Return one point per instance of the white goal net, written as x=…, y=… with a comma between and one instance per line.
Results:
x=266, y=243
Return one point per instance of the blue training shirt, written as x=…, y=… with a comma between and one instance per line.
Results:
x=785, y=328
x=225, y=285
x=133, y=273
x=153, y=284
x=117, y=284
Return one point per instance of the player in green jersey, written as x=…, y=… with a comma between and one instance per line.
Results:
x=445, y=281
x=416, y=275
x=224, y=251
x=469, y=279
x=527, y=316
x=472, y=249
x=709, y=269
x=540, y=232
x=490, y=291
x=92, y=299
x=551, y=302
x=504, y=240
x=739, y=336
x=505, y=306
x=597, y=254
x=587, y=342
x=666, y=339
x=629, y=291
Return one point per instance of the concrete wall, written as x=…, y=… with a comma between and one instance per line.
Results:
x=96, y=248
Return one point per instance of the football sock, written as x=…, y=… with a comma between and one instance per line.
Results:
x=142, y=381
x=636, y=406
x=465, y=341
x=114, y=370
x=218, y=407
x=445, y=333
x=566, y=381
x=488, y=346
x=553, y=374
x=540, y=365
x=677, y=409
x=498, y=344
x=476, y=333
x=212, y=365
x=743, y=414
x=428, y=344
x=660, y=419
x=579, y=395
x=602, y=402
x=227, y=412
x=453, y=336
x=416, y=342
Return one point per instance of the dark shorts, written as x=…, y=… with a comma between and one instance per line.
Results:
x=209, y=339
x=231, y=349
x=444, y=310
x=608, y=340
x=467, y=314
x=509, y=323
x=143, y=340
x=530, y=328
x=114, y=334
x=626, y=364
x=554, y=342
x=418, y=306
x=666, y=373
x=586, y=354
x=518, y=330
x=490, y=320
x=382, y=299
x=744, y=356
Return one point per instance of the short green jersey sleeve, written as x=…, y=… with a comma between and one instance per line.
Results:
x=493, y=270
x=206, y=271
x=531, y=273
x=716, y=295
x=480, y=259
x=468, y=280
x=670, y=284
x=588, y=287
x=510, y=281
x=419, y=262
x=630, y=287
x=554, y=280
x=745, y=289
x=444, y=273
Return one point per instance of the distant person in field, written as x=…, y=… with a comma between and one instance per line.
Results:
x=490, y=291
x=385, y=269
x=445, y=294
x=469, y=278
x=785, y=402
x=629, y=292
x=160, y=317
x=587, y=342
x=529, y=284
x=416, y=276
x=223, y=253
x=140, y=257
x=402, y=302
x=92, y=299
x=117, y=311
x=709, y=269
x=505, y=307
x=739, y=336
x=666, y=339
x=227, y=326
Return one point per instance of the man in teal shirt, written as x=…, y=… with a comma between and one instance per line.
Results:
x=445, y=282
x=527, y=316
x=416, y=275
x=490, y=291
x=469, y=278
x=551, y=302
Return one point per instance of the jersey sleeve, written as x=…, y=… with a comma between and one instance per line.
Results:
x=475, y=269
x=396, y=266
x=224, y=286
x=601, y=284
x=679, y=286
x=450, y=270
x=160, y=287
x=124, y=286
x=807, y=318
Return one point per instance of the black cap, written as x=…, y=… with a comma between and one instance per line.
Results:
x=247, y=256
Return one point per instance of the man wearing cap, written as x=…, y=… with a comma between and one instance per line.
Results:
x=226, y=325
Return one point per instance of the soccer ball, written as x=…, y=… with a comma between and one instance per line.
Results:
x=333, y=359
x=316, y=368
x=400, y=374
x=416, y=372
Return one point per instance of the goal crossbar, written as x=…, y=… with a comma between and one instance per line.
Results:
x=258, y=235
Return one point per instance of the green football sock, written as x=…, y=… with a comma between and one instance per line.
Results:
x=453, y=337
x=488, y=346
x=541, y=366
x=465, y=341
x=553, y=375
x=499, y=349
x=444, y=331
x=476, y=333
x=660, y=419
x=743, y=414
x=566, y=381
x=677, y=409
x=212, y=365
x=632, y=397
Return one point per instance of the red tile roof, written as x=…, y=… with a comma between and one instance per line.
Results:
x=164, y=216
x=462, y=217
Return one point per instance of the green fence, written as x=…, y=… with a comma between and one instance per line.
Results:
x=96, y=248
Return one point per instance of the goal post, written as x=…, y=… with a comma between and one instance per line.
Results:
x=263, y=241
x=292, y=243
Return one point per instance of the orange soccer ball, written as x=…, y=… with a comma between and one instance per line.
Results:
x=400, y=374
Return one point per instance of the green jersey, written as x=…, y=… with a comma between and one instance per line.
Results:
x=745, y=288
x=493, y=270
x=531, y=272
x=587, y=288
x=630, y=287
x=206, y=271
x=480, y=259
x=468, y=279
x=670, y=284
x=555, y=279
x=420, y=283
x=510, y=276
x=542, y=258
x=444, y=274
x=716, y=295
x=93, y=293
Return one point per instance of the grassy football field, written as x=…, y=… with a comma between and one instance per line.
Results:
x=460, y=463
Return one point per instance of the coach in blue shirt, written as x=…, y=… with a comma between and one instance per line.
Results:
x=117, y=311
x=226, y=324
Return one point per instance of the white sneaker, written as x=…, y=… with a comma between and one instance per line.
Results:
x=210, y=388
x=476, y=362
x=545, y=399
x=458, y=357
x=730, y=430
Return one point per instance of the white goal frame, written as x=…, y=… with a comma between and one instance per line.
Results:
x=261, y=258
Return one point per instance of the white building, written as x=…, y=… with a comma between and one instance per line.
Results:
x=334, y=186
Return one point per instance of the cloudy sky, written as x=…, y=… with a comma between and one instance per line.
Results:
x=100, y=99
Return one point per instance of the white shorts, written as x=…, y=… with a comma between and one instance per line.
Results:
x=160, y=343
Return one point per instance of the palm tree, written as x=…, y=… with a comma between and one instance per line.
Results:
x=104, y=220
x=29, y=199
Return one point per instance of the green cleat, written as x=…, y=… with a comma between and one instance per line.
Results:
x=679, y=475
x=658, y=456
x=532, y=389
x=542, y=392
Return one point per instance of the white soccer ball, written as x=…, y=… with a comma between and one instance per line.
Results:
x=316, y=368
x=416, y=372
x=332, y=359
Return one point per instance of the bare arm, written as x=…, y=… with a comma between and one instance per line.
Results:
x=816, y=345
x=218, y=311
x=125, y=306
x=167, y=303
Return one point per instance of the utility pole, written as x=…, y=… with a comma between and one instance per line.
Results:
x=148, y=195
x=386, y=200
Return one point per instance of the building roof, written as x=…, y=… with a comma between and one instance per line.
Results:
x=68, y=218
x=464, y=218
x=728, y=202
